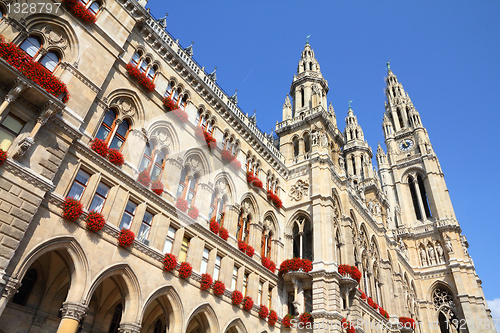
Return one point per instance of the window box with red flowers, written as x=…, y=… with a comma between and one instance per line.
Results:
x=383, y=312
x=79, y=10
x=205, y=136
x=169, y=104
x=295, y=264
x=157, y=187
x=273, y=318
x=247, y=303
x=287, y=321
x=100, y=147
x=269, y=264
x=407, y=323
x=33, y=70
x=274, y=199
x=263, y=312
x=242, y=246
x=193, y=212
x=182, y=205
x=72, y=209
x=236, y=297
x=214, y=226
x=116, y=157
x=348, y=326
x=185, y=270
x=223, y=233
x=169, y=262
x=95, y=221
x=228, y=158
x=363, y=295
x=126, y=238
x=141, y=78
x=219, y=287
x=250, y=251
x=206, y=281
x=352, y=271
x=180, y=115
x=3, y=156
x=253, y=181
x=305, y=318
x=144, y=178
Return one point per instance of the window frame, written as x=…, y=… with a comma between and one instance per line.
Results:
x=9, y=130
x=170, y=239
x=96, y=193
x=125, y=211
x=149, y=225
x=75, y=180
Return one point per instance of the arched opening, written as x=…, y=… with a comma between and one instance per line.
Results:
x=414, y=199
x=307, y=143
x=202, y=322
x=400, y=118
x=162, y=313
x=444, y=304
x=302, y=235
x=303, y=101
x=295, y=147
x=423, y=195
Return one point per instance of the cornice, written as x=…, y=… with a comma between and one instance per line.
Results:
x=29, y=175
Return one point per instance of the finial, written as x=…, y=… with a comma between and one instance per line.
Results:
x=388, y=64
x=234, y=98
x=189, y=49
x=163, y=21
x=213, y=75
x=307, y=39
x=350, y=105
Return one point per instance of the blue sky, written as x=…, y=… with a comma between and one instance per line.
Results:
x=446, y=54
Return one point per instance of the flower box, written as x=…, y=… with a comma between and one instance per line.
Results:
x=126, y=238
x=116, y=157
x=295, y=264
x=100, y=147
x=352, y=271
x=223, y=233
x=3, y=156
x=185, y=270
x=228, y=158
x=95, y=221
x=287, y=321
x=141, y=78
x=181, y=116
x=182, y=205
x=363, y=295
x=203, y=135
x=157, y=187
x=269, y=264
x=263, y=312
x=72, y=209
x=408, y=323
x=236, y=297
x=250, y=251
x=348, y=326
x=206, y=281
x=219, y=287
x=144, y=178
x=169, y=262
x=247, y=303
x=305, y=318
x=34, y=71
x=274, y=199
x=79, y=10
x=214, y=226
x=193, y=212
x=253, y=181
x=273, y=318
x=169, y=104
x=242, y=246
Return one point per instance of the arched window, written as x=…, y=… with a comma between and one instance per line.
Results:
x=50, y=61
x=243, y=229
x=145, y=65
x=153, y=161
x=204, y=121
x=152, y=72
x=136, y=58
x=27, y=284
x=295, y=147
x=400, y=118
x=169, y=90
x=218, y=207
x=303, y=100
x=188, y=184
x=112, y=134
x=266, y=244
x=302, y=234
x=423, y=195
x=307, y=143
x=446, y=310
x=32, y=46
x=2, y=13
x=92, y=6
x=414, y=198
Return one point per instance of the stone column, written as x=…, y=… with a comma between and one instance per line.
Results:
x=129, y=328
x=203, y=199
x=19, y=86
x=254, y=238
x=72, y=313
x=10, y=288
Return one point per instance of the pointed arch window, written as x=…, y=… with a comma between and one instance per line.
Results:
x=307, y=143
x=50, y=61
x=32, y=46
x=188, y=185
x=153, y=161
x=113, y=131
x=295, y=147
x=218, y=207
x=414, y=198
x=243, y=229
x=302, y=235
x=266, y=244
x=145, y=65
x=423, y=195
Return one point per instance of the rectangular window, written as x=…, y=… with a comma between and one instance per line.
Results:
x=217, y=267
x=10, y=128
x=204, y=261
x=169, y=241
x=245, y=284
x=235, y=278
x=79, y=185
x=128, y=215
x=145, y=227
x=184, y=249
x=99, y=198
x=259, y=298
x=269, y=298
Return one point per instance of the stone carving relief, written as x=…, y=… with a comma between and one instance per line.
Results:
x=194, y=163
x=163, y=138
x=374, y=207
x=55, y=36
x=222, y=186
x=299, y=190
x=125, y=105
x=448, y=245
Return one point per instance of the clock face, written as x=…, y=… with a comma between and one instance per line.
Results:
x=406, y=144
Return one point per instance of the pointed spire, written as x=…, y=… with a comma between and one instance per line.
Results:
x=287, y=108
x=234, y=98
x=189, y=49
x=353, y=130
x=163, y=21
x=213, y=75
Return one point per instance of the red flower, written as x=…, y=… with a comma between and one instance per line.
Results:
x=181, y=116
x=305, y=318
x=263, y=312
x=407, y=322
x=226, y=156
x=95, y=221
x=269, y=264
x=272, y=267
x=201, y=134
x=348, y=326
x=72, y=209
x=126, y=238
x=242, y=246
x=287, y=321
x=219, y=287
x=3, y=156
x=169, y=104
x=253, y=180
x=236, y=297
x=214, y=226
x=182, y=205
x=273, y=318
x=116, y=157
x=157, y=187
x=100, y=147
x=363, y=295
x=79, y=10
x=248, y=303
x=224, y=234
x=206, y=281
x=193, y=212
x=295, y=264
x=34, y=71
x=307, y=265
x=274, y=199
x=185, y=270
x=235, y=164
x=142, y=79
x=250, y=251
x=370, y=302
x=144, y=178
x=352, y=271
x=169, y=262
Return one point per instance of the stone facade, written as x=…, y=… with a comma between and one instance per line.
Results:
x=395, y=224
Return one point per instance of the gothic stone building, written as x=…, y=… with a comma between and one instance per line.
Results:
x=395, y=224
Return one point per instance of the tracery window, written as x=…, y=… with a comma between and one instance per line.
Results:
x=144, y=64
x=266, y=243
x=153, y=161
x=188, y=185
x=113, y=131
x=243, y=229
x=33, y=46
x=302, y=234
x=218, y=207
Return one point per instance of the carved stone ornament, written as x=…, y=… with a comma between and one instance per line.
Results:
x=129, y=328
x=125, y=105
x=222, y=186
x=299, y=190
x=74, y=311
x=163, y=137
x=194, y=163
x=23, y=147
x=55, y=36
